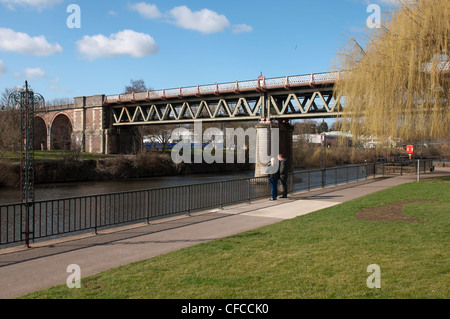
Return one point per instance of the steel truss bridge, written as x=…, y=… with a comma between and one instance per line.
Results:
x=263, y=99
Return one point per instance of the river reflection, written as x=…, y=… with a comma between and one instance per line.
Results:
x=64, y=190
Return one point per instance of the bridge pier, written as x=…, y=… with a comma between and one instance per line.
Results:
x=122, y=140
x=89, y=124
x=264, y=134
x=272, y=139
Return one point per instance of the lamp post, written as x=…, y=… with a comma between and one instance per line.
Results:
x=26, y=100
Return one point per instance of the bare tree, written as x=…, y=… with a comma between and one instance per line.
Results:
x=4, y=99
x=9, y=123
x=136, y=86
x=158, y=134
x=65, y=101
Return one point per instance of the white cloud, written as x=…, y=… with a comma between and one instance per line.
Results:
x=204, y=21
x=34, y=73
x=149, y=11
x=31, y=73
x=2, y=68
x=126, y=42
x=242, y=28
x=12, y=41
x=34, y=4
x=53, y=86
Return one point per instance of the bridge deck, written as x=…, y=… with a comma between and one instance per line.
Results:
x=259, y=85
x=261, y=99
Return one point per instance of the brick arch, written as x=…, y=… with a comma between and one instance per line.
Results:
x=61, y=132
x=40, y=133
x=53, y=115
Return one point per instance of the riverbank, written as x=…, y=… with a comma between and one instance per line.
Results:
x=288, y=258
x=69, y=167
x=144, y=165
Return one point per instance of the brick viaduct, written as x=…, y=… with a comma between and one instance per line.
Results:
x=85, y=124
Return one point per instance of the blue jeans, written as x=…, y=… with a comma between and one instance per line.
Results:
x=274, y=187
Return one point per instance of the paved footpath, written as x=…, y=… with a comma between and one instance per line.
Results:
x=45, y=264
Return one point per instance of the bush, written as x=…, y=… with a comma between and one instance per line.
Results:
x=153, y=164
x=9, y=174
x=310, y=156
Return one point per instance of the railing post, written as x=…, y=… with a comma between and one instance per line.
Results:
x=221, y=196
x=323, y=178
x=248, y=191
x=189, y=201
x=346, y=172
x=95, y=216
x=27, y=231
x=308, y=181
x=367, y=173
x=148, y=208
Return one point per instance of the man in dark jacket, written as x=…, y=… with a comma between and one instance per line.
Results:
x=283, y=174
x=273, y=180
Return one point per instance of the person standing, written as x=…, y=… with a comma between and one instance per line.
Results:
x=283, y=174
x=273, y=180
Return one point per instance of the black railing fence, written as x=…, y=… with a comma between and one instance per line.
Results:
x=56, y=217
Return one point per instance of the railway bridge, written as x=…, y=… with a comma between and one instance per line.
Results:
x=105, y=124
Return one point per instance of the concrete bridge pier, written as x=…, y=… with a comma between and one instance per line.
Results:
x=264, y=133
x=272, y=139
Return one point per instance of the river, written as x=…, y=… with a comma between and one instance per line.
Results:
x=63, y=190
x=301, y=181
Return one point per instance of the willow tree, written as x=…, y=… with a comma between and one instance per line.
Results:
x=397, y=85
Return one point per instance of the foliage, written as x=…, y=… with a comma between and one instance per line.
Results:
x=395, y=86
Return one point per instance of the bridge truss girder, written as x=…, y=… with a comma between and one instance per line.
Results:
x=283, y=104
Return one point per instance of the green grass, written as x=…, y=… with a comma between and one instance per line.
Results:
x=52, y=156
x=321, y=255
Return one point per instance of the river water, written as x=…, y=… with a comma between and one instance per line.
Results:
x=301, y=181
x=64, y=190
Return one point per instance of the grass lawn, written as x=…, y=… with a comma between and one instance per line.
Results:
x=53, y=156
x=321, y=255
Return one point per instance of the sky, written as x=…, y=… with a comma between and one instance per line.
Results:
x=67, y=49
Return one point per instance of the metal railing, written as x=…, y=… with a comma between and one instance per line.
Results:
x=232, y=87
x=56, y=217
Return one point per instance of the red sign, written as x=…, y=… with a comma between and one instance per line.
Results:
x=410, y=149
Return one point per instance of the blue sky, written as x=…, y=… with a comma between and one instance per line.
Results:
x=168, y=43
